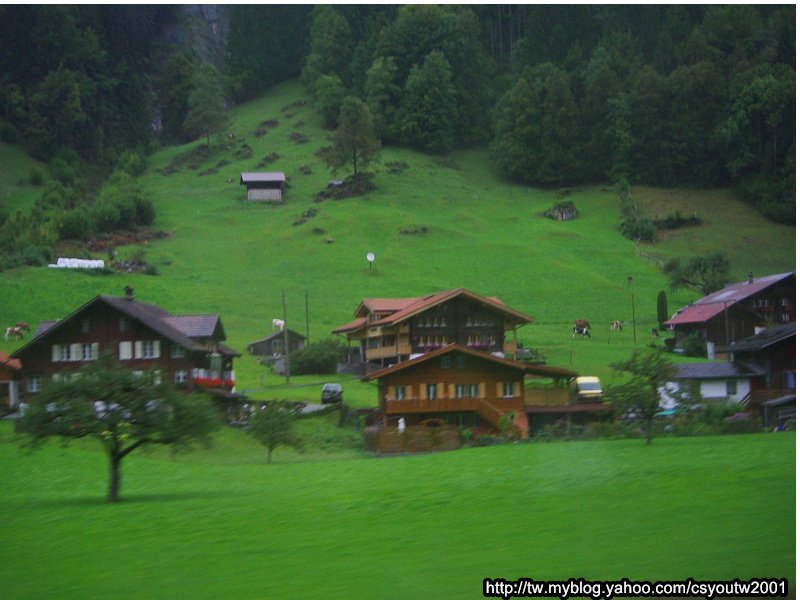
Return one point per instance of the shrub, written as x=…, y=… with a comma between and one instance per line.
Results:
x=36, y=256
x=740, y=422
x=63, y=170
x=8, y=133
x=75, y=224
x=694, y=345
x=320, y=357
x=132, y=163
x=36, y=177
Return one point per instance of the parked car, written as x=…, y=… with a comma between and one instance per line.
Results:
x=331, y=392
x=586, y=389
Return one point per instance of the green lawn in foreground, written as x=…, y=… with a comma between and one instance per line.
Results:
x=222, y=523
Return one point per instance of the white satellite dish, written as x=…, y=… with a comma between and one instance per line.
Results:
x=370, y=258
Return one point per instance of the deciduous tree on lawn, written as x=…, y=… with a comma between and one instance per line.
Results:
x=272, y=426
x=639, y=398
x=354, y=141
x=122, y=409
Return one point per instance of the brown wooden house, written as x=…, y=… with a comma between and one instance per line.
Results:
x=9, y=381
x=391, y=330
x=773, y=353
x=184, y=349
x=738, y=311
x=458, y=385
x=264, y=187
x=273, y=343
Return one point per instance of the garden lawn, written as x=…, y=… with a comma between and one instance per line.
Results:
x=221, y=523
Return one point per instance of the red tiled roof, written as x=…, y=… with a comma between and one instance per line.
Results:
x=697, y=313
x=12, y=363
x=351, y=326
x=403, y=308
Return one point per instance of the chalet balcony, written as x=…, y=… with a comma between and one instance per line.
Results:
x=387, y=351
x=209, y=379
x=421, y=405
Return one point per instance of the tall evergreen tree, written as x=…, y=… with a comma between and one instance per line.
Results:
x=354, y=141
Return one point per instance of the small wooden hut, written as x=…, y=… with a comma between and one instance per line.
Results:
x=264, y=187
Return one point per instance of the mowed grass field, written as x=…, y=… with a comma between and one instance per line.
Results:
x=227, y=256
x=222, y=523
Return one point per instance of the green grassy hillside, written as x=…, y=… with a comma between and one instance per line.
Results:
x=228, y=256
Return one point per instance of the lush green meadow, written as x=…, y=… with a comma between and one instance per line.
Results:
x=235, y=258
x=221, y=522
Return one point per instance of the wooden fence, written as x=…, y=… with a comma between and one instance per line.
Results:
x=416, y=438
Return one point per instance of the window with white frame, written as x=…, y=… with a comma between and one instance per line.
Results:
x=89, y=351
x=730, y=387
x=400, y=392
x=180, y=377
x=177, y=351
x=508, y=389
x=34, y=383
x=125, y=350
x=431, y=388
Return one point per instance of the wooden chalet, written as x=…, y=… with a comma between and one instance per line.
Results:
x=737, y=311
x=773, y=352
x=391, y=330
x=273, y=344
x=264, y=187
x=460, y=386
x=9, y=381
x=184, y=349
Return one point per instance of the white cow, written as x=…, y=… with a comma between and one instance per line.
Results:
x=278, y=324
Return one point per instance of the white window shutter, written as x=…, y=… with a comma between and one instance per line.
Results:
x=95, y=351
x=75, y=352
x=125, y=350
x=137, y=349
x=156, y=349
x=56, y=356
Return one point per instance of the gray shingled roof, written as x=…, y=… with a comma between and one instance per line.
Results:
x=185, y=330
x=717, y=370
x=762, y=340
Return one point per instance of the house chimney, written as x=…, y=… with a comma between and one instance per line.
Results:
x=750, y=277
x=128, y=293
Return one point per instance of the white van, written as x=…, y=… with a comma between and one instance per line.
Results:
x=586, y=389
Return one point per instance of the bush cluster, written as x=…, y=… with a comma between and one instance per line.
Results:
x=318, y=358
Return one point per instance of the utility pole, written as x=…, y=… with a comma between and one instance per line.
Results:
x=285, y=338
x=308, y=336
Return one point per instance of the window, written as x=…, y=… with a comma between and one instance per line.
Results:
x=123, y=323
x=33, y=384
x=447, y=362
x=431, y=391
x=461, y=390
x=147, y=349
x=65, y=354
x=89, y=351
x=177, y=351
x=508, y=389
x=125, y=350
x=180, y=377
x=730, y=388
x=86, y=325
x=473, y=390
x=400, y=392
x=460, y=361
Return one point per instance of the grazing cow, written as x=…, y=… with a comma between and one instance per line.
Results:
x=580, y=330
x=654, y=332
x=616, y=325
x=582, y=323
x=14, y=332
x=22, y=326
x=278, y=324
